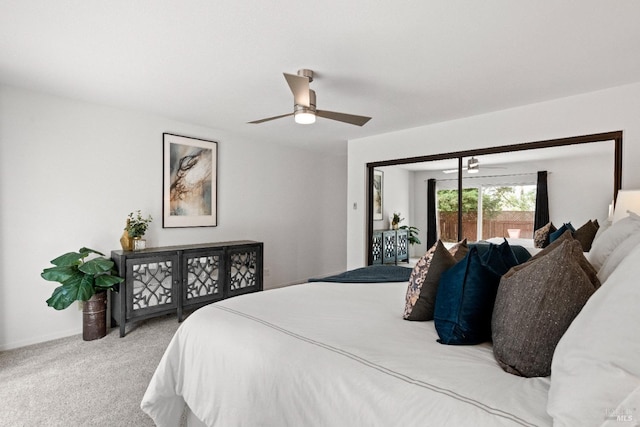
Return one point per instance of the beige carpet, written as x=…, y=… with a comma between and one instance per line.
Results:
x=70, y=382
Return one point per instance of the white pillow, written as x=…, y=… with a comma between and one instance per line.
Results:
x=618, y=255
x=604, y=226
x=596, y=365
x=611, y=238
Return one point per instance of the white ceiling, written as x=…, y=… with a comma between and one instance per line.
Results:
x=404, y=63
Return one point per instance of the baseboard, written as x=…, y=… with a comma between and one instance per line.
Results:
x=40, y=339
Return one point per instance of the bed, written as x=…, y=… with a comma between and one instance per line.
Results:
x=341, y=354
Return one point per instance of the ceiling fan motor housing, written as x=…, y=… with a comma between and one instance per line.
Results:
x=306, y=73
x=312, y=104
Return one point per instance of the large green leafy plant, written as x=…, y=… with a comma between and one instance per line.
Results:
x=80, y=278
x=412, y=234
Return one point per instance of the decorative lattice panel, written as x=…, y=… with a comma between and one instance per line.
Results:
x=152, y=284
x=203, y=276
x=376, y=248
x=243, y=270
x=402, y=245
x=390, y=245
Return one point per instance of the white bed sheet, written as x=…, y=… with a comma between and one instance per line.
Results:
x=332, y=354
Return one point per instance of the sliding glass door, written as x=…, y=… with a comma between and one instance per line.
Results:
x=487, y=211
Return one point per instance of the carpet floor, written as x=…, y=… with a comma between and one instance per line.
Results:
x=70, y=382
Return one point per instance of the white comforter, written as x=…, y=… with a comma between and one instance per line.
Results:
x=332, y=354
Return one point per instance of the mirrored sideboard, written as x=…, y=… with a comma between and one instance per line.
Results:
x=390, y=246
x=171, y=279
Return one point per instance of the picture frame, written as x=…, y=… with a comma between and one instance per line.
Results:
x=190, y=182
x=377, y=196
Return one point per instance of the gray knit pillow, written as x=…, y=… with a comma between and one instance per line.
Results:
x=534, y=307
x=591, y=272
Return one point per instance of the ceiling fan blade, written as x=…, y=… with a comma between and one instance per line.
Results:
x=342, y=117
x=299, y=85
x=270, y=118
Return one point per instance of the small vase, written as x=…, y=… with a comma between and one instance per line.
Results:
x=394, y=226
x=139, y=243
x=125, y=241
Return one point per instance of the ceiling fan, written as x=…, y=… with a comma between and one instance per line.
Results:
x=304, y=108
x=473, y=166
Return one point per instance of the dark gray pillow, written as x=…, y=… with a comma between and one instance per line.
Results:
x=534, y=307
x=585, y=235
x=441, y=261
x=419, y=276
x=591, y=272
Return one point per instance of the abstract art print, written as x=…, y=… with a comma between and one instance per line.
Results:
x=189, y=182
x=378, y=184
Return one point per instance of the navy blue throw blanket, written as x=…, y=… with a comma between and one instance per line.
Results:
x=371, y=274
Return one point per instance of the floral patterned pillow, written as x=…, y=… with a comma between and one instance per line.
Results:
x=541, y=235
x=419, y=274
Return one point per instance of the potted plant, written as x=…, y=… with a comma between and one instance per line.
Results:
x=136, y=228
x=412, y=234
x=395, y=220
x=86, y=281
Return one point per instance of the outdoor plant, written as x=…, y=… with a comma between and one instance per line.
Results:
x=80, y=279
x=137, y=225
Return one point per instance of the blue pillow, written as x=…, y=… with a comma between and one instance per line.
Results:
x=560, y=231
x=501, y=257
x=465, y=298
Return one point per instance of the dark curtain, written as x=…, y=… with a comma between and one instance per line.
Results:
x=432, y=229
x=542, y=202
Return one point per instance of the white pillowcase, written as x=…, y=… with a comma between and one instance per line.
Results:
x=618, y=254
x=596, y=365
x=604, y=226
x=611, y=238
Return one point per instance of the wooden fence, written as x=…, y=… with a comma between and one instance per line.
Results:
x=497, y=226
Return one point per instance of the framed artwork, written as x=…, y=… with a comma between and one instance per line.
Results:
x=377, y=194
x=190, y=182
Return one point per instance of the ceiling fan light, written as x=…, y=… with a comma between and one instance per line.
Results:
x=304, y=118
x=472, y=165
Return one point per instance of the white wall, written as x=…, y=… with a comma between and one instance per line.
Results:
x=603, y=111
x=70, y=172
